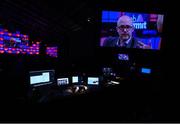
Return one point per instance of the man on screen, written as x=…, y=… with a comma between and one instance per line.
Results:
x=125, y=30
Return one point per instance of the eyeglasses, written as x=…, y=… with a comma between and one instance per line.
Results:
x=127, y=27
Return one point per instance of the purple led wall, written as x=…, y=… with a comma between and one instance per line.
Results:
x=52, y=51
x=16, y=43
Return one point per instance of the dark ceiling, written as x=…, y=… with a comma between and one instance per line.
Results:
x=45, y=19
x=56, y=19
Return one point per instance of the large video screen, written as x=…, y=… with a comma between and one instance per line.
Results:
x=17, y=43
x=131, y=30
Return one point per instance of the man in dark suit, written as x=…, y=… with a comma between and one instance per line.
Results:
x=125, y=30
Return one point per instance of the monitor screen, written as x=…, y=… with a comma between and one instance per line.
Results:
x=131, y=30
x=75, y=79
x=124, y=57
x=146, y=70
x=107, y=71
x=93, y=81
x=41, y=77
x=62, y=81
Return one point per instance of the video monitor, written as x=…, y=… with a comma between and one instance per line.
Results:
x=62, y=81
x=122, y=56
x=42, y=77
x=131, y=30
x=93, y=81
x=107, y=71
x=146, y=70
x=75, y=79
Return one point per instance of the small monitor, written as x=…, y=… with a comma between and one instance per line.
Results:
x=41, y=77
x=124, y=57
x=107, y=71
x=93, y=81
x=62, y=81
x=146, y=70
x=75, y=79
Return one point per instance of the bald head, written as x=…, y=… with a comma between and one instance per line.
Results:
x=124, y=20
x=125, y=27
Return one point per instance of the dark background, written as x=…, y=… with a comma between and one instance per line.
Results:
x=75, y=27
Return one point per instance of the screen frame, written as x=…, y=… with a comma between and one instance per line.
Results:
x=51, y=77
x=94, y=77
x=63, y=78
x=161, y=12
x=78, y=80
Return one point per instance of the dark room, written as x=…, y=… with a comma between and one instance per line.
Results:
x=87, y=61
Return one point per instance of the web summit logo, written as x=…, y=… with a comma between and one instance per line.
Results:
x=138, y=22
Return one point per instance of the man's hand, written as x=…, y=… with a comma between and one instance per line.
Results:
x=143, y=45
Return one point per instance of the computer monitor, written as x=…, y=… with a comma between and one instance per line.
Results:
x=62, y=81
x=93, y=81
x=122, y=56
x=42, y=77
x=146, y=70
x=75, y=79
x=107, y=71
